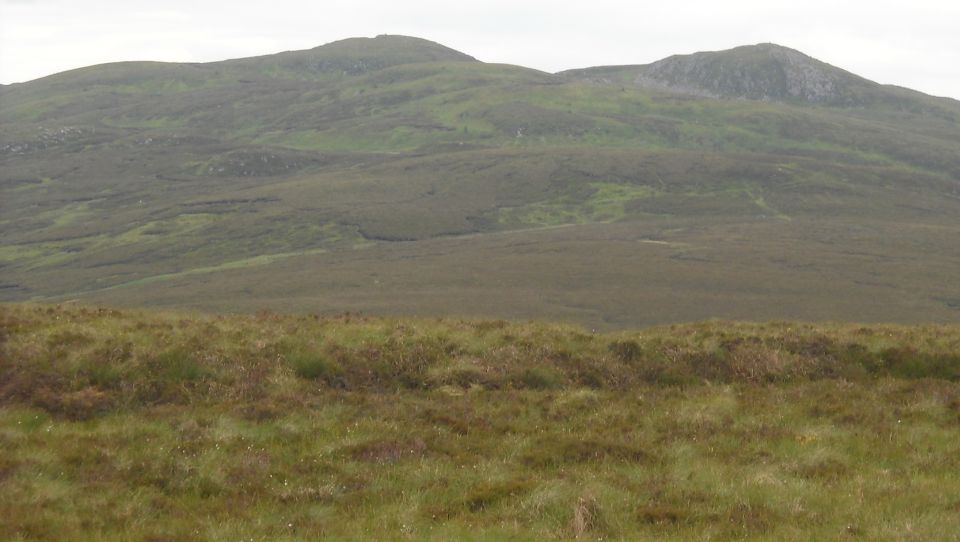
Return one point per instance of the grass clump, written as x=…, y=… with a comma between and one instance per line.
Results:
x=908, y=362
x=313, y=365
x=658, y=514
x=626, y=350
x=177, y=365
x=557, y=453
x=74, y=405
x=538, y=378
x=460, y=372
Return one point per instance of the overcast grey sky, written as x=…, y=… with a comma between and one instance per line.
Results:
x=914, y=44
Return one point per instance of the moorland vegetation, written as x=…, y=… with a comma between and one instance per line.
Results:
x=119, y=424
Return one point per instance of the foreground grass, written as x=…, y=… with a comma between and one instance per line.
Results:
x=166, y=426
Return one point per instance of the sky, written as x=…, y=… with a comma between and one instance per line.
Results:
x=913, y=44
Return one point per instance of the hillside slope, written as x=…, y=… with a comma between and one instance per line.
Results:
x=328, y=179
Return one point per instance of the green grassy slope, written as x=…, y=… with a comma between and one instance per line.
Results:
x=125, y=180
x=120, y=424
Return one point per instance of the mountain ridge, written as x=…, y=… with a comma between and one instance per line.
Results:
x=218, y=185
x=686, y=73
x=347, y=56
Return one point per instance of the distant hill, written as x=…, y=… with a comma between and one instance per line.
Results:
x=354, y=56
x=396, y=175
x=759, y=72
x=765, y=71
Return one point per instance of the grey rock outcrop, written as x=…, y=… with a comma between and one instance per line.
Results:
x=753, y=72
x=758, y=72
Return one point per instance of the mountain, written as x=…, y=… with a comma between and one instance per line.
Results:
x=354, y=56
x=757, y=72
x=395, y=175
x=765, y=71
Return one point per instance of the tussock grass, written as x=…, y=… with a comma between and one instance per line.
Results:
x=119, y=425
x=88, y=357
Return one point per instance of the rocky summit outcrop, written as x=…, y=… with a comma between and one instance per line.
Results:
x=759, y=72
x=755, y=72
